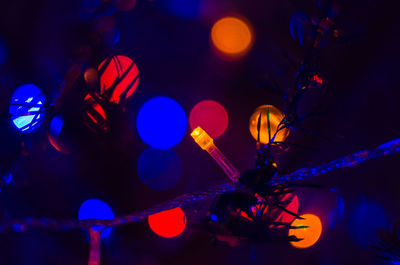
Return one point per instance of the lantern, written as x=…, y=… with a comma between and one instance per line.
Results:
x=271, y=126
x=27, y=108
x=119, y=78
x=308, y=229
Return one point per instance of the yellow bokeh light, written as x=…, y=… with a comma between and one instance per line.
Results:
x=310, y=234
x=275, y=116
x=232, y=36
x=90, y=76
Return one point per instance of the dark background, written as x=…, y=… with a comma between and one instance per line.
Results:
x=360, y=95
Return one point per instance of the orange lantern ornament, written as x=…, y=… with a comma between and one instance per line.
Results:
x=271, y=126
x=309, y=233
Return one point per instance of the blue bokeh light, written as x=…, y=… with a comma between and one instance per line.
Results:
x=96, y=209
x=26, y=108
x=91, y=4
x=112, y=37
x=336, y=214
x=159, y=169
x=56, y=125
x=299, y=24
x=365, y=221
x=184, y=8
x=161, y=123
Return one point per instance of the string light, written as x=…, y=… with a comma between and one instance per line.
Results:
x=207, y=143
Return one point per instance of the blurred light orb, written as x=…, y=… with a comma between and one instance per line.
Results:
x=119, y=78
x=90, y=76
x=210, y=116
x=365, y=220
x=186, y=9
x=337, y=213
x=168, y=224
x=159, y=169
x=310, y=234
x=232, y=36
x=27, y=108
x=7, y=178
x=96, y=209
x=111, y=37
x=275, y=116
x=161, y=122
x=91, y=4
x=55, y=129
x=102, y=24
x=125, y=5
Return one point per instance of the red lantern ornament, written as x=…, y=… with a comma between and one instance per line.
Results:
x=119, y=78
x=95, y=115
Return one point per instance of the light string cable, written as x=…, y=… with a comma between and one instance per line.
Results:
x=389, y=148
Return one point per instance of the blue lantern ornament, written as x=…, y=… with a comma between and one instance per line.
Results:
x=27, y=108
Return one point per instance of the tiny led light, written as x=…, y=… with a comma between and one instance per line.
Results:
x=202, y=138
x=207, y=143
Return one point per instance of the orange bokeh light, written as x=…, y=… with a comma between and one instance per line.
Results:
x=310, y=234
x=170, y=223
x=232, y=36
x=90, y=76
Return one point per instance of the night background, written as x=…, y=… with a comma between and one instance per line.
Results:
x=170, y=42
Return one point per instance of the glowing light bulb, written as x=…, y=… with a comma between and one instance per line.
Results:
x=271, y=119
x=161, y=122
x=207, y=143
x=90, y=76
x=119, y=74
x=170, y=223
x=96, y=209
x=309, y=234
x=27, y=108
x=211, y=116
x=232, y=36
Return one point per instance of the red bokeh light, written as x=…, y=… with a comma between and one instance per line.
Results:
x=119, y=78
x=125, y=5
x=170, y=223
x=210, y=116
